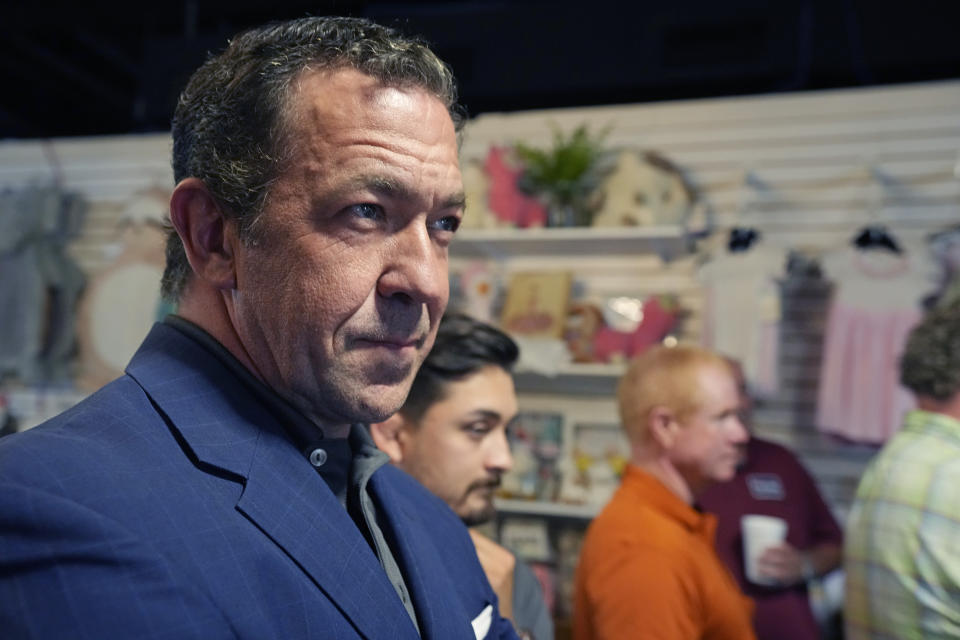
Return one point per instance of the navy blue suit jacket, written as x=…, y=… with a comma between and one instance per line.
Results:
x=170, y=504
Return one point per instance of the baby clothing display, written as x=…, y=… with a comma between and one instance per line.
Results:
x=876, y=302
x=741, y=316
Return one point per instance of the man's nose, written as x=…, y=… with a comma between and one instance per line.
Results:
x=415, y=268
x=498, y=452
x=739, y=433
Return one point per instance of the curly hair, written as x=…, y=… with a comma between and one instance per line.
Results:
x=930, y=364
x=229, y=127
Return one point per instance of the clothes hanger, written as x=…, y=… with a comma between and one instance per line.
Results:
x=742, y=238
x=873, y=235
x=876, y=237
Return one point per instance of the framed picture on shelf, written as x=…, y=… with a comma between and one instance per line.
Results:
x=598, y=455
x=527, y=537
x=536, y=440
x=477, y=289
x=536, y=304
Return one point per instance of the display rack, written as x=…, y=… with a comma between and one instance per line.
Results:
x=547, y=509
x=665, y=241
x=583, y=393
x=572, y=378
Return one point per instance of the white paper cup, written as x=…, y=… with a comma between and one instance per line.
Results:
x=759, y=534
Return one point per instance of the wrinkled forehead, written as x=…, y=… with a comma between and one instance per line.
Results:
x=333, y=79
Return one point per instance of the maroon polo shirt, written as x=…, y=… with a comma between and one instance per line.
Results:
x=773, y=482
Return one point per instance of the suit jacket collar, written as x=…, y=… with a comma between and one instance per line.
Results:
x=223, y=428
x=430, y=584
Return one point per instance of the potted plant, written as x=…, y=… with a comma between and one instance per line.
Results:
x=565, y=175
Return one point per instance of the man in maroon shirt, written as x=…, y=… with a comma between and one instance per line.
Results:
x=772, y=481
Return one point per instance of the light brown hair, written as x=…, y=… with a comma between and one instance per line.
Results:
x=666, y=377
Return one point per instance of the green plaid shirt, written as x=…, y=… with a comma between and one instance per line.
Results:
x=902, y=550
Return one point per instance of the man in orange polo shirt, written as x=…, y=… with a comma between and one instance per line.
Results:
x=648, y=568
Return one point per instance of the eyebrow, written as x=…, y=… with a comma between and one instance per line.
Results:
x=485, y=413
x=455, y=201
x=394, y=189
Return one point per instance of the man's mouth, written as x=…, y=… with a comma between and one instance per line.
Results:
x=391, y=343
x=488, y=485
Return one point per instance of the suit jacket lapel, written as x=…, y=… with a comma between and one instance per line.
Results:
x=289, y=501
x=428, y=580
x=223, y=427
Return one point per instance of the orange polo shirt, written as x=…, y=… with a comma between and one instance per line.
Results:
x=648, y=570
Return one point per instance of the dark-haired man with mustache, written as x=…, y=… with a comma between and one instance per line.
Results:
x=451, y=435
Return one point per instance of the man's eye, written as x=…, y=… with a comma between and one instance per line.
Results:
x=447, y=223
x=366, y=210
x=477, y=429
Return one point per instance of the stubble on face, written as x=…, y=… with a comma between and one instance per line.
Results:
x=483, y=491
x=434, y=466
x=459, y=450
x=311, y=306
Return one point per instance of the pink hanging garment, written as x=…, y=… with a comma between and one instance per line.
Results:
x=876, y=302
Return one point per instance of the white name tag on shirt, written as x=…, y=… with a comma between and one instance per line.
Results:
x=765, y=486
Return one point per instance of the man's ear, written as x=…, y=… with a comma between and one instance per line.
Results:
x=208, y=239
x=662, y=427
x=389, y=436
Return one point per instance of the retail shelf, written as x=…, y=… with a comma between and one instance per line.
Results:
x=547, y=509
x=576, y=378
x=666, y=241
x=585, y=370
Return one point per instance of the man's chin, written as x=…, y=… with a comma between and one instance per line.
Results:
x=383, y=404
x=479, y=516
x=726, y=475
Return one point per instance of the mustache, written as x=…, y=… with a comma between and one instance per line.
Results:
x=492, y=482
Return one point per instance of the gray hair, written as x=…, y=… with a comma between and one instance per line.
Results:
x=930, y=365
x=229, y=128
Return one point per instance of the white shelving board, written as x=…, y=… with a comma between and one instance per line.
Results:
x=666, y=242
x=584, y=370
x=506, y=507
x=575, y=378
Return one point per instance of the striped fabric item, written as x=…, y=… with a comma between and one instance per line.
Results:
x=902, y=550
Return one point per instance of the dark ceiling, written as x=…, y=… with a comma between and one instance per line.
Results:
x=116, y=68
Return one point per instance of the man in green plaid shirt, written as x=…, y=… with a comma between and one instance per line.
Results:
x=902, y=551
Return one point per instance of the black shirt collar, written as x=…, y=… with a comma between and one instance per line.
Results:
x=304, y=432
x=349, y=461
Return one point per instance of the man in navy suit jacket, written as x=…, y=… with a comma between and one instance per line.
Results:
x=226, y=486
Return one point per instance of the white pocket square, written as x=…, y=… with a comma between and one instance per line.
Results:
x=481, y=624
